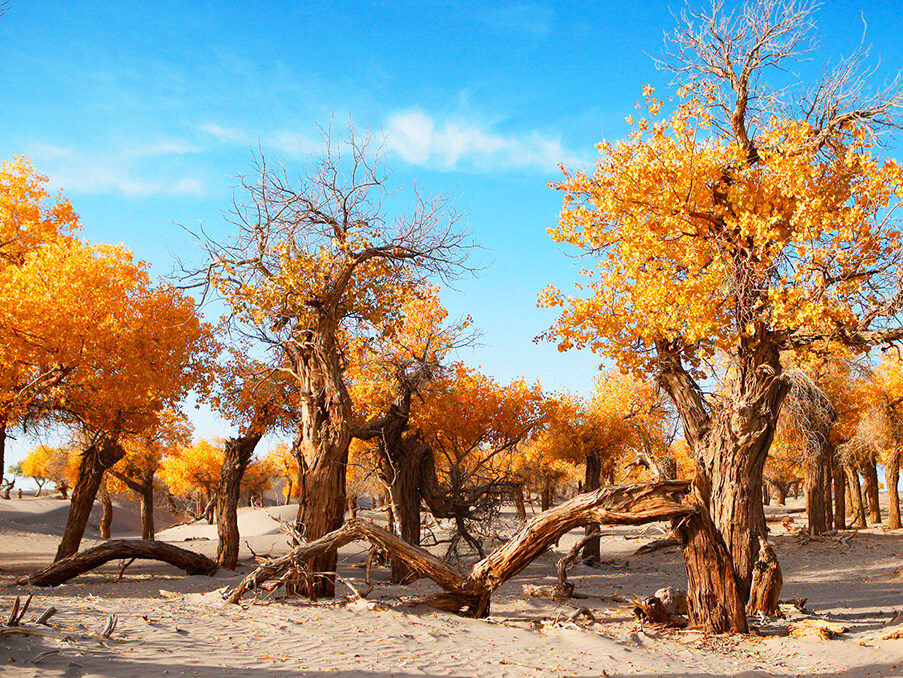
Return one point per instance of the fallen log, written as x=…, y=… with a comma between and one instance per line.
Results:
x=79, y=563
x=470, y=594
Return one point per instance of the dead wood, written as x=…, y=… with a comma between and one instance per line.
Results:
x=815, y=627
x=79, y=563
x=653, y=611
x=657, y=545
x=469, y=595
x=766, y=582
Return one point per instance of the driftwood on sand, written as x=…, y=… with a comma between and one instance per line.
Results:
x=470, y=593
x=79, y=563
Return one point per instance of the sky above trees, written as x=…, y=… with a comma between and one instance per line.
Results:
x=146, y=114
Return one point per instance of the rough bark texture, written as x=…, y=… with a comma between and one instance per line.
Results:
x=592, y=482
x=236, y=457
x=840, y=503
x=870, y=475
x=857, y=508
x=818, y=477
x=95, y=460
x=65, y=569
x=148, y=530
x=892, y=475
x=517, y=494
x=767, y=582
x=545, y=499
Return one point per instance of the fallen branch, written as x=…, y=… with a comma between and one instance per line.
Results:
x=117, y=549
x=470, y=594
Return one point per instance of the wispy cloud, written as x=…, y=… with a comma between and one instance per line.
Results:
x=225, y=134
x=420, y=140
x=122, y=171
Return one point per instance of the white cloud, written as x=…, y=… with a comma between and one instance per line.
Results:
x=418, y=139
x=120, y=172
x=225, y=134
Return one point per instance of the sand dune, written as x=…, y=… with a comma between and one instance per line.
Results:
x=169, y=624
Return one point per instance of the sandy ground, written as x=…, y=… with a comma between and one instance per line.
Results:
x=170, y=624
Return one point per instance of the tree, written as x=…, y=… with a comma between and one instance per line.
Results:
x=736, y=230
x=385, y=374
x=194, y=471
x=48, y=464
x=311, y=264
x=144, y=454
x=28, y=221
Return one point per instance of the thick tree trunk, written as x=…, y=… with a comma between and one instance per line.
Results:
x=857, y=509
x=95, y=460
x=870, y=474
x=106, y=518
x=766, y=494
x=404, y=491
x=117, y=549
x=592, y=482
x=892, y=476
x=236, y=456
x=840, y=502
x=818, y=469
x=767, y=582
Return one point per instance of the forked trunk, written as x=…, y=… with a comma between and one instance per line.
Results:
x=870, y=475
x=593, y=481
x=94, y=461
x=892, y=476
x=236, y=456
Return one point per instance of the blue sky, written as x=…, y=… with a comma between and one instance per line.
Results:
x=145, y=113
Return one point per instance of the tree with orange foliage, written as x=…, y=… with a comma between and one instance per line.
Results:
x=194, y=472
x=144, y=454
x=384, y=375
x=311, y=264
x=474, y=426
x=43, y=464
x=733, y=228
x=285, y=468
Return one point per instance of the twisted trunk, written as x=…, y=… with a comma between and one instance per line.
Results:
x=95, y=460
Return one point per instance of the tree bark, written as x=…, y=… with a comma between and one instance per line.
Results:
x=106, y=519
x=818, y=469
x=65, y=569
x=840, y=503
x=517, y=494
x=870, y=475
x=857, y=510
x=95, y=460
x=148, y=530
x=236, y=457
x=767, y=582
x=593, y=481
x=892, y=476
x=548, y=488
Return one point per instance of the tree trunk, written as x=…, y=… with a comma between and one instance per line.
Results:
x=94, y=462
x=766, y=494
x=236, y=457
x=117, y=549
x=857, y=510
x=147, y=509
x=404, y=491
x=548, y=488
x=593, y=480
x=818, y=469
x=517, y=494
x=106, y=519
x=767, y=582
x=870, y=475
x=892, y=476
x=840, y=503
x=780, y=491
x=3, y=453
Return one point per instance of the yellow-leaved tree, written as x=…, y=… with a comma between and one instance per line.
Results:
x=733, y=229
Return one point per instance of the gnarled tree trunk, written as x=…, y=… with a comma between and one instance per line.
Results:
x=236, y=457
x=857, y=508
x=818, y=479
x=95, y=460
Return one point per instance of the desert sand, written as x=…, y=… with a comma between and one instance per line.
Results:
x=176, y=625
